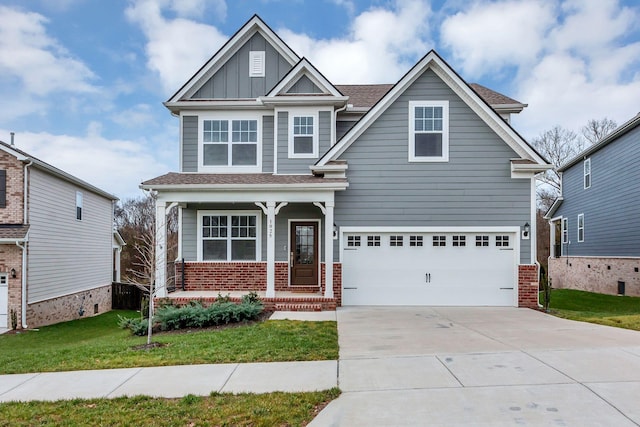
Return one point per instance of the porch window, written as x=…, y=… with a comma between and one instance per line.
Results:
x=229, y=237
x=230, y=142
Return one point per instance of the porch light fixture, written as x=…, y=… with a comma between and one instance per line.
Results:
x=13, y=273
x=335, y=231
x=525, y=230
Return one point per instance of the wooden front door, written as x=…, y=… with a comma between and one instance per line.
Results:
x=303, y=256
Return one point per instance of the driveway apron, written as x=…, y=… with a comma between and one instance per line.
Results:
x=455, y=366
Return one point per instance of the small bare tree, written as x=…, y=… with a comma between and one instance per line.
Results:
x=595, y=130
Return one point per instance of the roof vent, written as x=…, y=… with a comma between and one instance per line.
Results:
x=13, y=135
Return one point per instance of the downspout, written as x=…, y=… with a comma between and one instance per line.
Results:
x=25, y=220
x=335, y=119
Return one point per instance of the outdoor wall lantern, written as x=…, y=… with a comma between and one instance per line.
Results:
x=525, y=230
x=13, y=273
x=335, y=231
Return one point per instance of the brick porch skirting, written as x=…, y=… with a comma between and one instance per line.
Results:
x=528, y=286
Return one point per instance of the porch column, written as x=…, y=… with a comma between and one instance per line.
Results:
x=328, y=249
x=271, y=249
x=160, y=250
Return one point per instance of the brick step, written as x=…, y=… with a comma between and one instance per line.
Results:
x=304, y=289
x=299, y=306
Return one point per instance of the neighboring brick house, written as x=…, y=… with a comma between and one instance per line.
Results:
x=595, y=223
x=56, y=243
x=416, y=193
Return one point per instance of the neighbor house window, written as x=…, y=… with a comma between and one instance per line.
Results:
x=3, y=188
x=502, y=241
x=229, y=237
x=78, y=205
x=353, y=241
x=428, y=131
x=303, y=136
x=482, y=241
x=459, y=240
x=256, y=63
x=373, y=240
x=565, y=230
x=581, y=228
x=230, y=143
x=587, y=173
x=439, y=240
x=395, y=241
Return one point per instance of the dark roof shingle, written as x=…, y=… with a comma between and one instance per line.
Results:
x=13, y=231
x=174, y=178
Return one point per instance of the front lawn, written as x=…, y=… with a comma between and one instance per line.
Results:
x=270, y=409
x=610, y=310
x=98, y=343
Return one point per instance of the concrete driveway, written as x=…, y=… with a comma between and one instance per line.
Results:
x=426, y=366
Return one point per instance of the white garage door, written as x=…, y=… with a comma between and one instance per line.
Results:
x=464, y=269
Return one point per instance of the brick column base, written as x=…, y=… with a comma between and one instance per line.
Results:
x=528, y=286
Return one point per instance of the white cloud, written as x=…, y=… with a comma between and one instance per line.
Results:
x=491, y=35
x=135, y=117
x=175, y=48
x=113, y=165
x=35, y=59
x=380, y=46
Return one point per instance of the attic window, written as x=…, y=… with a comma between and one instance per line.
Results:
x=256, y=63
x=428, y=131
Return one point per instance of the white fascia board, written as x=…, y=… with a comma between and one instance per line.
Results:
x=299, y=196
x=449, y=77
x=332, y=167
x=303, y=100
x=553, y=208
x=247, y=187
x=254, y=25
x=304, y=67
x=230, y=104
x=529, y=168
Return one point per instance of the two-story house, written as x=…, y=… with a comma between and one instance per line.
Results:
x=595, y=223
x=57, y=243
x=416, y=193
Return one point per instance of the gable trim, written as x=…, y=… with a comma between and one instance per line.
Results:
x=304, y=68
x=251, y=27
x=434, y=62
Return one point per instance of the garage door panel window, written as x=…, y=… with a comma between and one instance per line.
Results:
x=353, y=241
x=395, y=241
x=459, y=241
x=373, y=240
x=482, y=241
x=439, y=241
x=502, y=241
x=415, y=240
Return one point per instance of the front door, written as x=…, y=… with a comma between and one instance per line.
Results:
x=303, y=256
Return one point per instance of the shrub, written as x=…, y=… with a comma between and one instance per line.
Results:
x=251, y=297
x=137, y=326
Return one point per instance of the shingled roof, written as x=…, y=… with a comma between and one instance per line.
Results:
x=366, y=96
x=13, y=231
x=204, y=179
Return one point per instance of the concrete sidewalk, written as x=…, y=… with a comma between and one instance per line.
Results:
x=178, y=381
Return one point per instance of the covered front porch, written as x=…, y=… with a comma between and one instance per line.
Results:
x=275, y=238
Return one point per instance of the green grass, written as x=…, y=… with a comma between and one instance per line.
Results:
x=271, y=409
x=610, y=310
x=98, y=343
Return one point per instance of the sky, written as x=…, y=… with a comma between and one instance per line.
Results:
x=82, y=81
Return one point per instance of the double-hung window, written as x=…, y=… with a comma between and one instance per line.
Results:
x=565, y=230
x=428, y=131
x=581, y=228
x=587, y=173
x=230, y=143
x=303, y=136
x=78, y=205
x=229, y=236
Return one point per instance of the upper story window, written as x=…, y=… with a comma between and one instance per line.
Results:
x=256, y=63
x=565, y=230
x=428, y=131
x=587, y=173
x=303, y=136
x=230, y=144
x=78, y=205
x=581, y=228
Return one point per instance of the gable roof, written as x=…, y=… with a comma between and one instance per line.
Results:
x=434, y=62
x=251, y=27
x=25, y=157
x=304, y=68
x=620, y=131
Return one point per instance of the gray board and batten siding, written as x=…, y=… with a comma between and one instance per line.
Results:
x=190, y=144
x=301, y=166
x=474, y=188
x=293, y=211
x=611, y=206
x=232, y=80
x=67, y=255
x=304, y=85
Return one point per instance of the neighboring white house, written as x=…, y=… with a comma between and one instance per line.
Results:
x=57, y=243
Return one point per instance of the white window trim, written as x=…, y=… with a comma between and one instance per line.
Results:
x=580, y=227
x=230, y=116
x=445, y=131
x=257, y=214
x=316, y=125
x=79, y=204
x=257, y=57
x=565, y=230
x=586, y=165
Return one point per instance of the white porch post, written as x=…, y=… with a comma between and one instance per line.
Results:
x=328, y=249
x=271, y=249
x=160, y=250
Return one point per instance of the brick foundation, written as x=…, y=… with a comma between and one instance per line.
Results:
x=528, y=286
x=249, y=276
x=596, y=274
x=68, y=307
